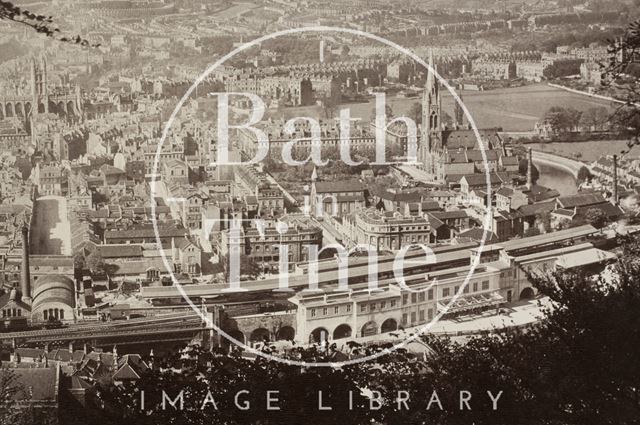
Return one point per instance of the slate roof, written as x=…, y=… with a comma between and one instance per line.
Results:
x=580, y=200
x=533, y=209
x=120, y=250
x=40, y=384
x=339, y=186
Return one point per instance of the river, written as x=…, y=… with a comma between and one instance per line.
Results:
x=557, y=179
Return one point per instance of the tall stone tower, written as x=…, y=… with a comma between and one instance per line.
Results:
x=39, y=89
x=25, y=273
x=431, y=152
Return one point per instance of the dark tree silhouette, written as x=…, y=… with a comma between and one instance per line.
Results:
x=623, y=73
x=40, y=23
x=577, y=366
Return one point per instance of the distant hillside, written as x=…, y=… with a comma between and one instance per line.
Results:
x=11, y=50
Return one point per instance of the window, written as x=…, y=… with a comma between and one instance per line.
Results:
x=455, y=289
x=466, y=289
x=336, y=310
x=430, y=294
x=405, y=299
x=373, y=307
x=430, y=313
x=383, y=304
x=413, y=317
x=363, y=308
x=475, y=286
x=19, y=312
x=324, y=311
x=313, y=313
x=445, y=292
x=61, y=314
x=348, y=308
x=485, y=285
x=392, y=303
x=404, y=318
x=422, y=315
x=421, y=296
x=414, y=298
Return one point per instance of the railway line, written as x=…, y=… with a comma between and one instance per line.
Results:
x=144, y=326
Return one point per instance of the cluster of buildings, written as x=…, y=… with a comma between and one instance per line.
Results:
x=500, y=278
x=530, y=66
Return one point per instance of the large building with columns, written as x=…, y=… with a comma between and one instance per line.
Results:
x=501, y=277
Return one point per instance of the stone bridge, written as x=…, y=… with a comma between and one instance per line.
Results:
x=556, y=161
x=256, y=328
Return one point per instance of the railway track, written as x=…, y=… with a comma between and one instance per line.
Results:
x=141, y=326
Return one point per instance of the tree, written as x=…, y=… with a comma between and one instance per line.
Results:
x=523, y=169
x=387, y=110
x=561, y=119
x=621, y=74
x=596, y=217
x=577, y=366
x=248, y=266
x=197, y=371
x=532, y=231
x=415, y=112
x=9, y=388
x=595, y=119
x=543, y=219
x=95, y=263
x=13, y=410
x=40, y=23
x=584, y=174
x=330, y=104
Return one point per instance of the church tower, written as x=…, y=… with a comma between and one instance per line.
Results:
x=430, y=137
x=39, y=89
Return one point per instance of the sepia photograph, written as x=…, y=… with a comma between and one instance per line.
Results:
x=287, y=212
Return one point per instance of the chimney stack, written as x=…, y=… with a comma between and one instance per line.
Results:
x=530, y=169
x=25, y=275
x=615, y=179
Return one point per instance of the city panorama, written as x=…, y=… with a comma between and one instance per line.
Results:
x=319, y=211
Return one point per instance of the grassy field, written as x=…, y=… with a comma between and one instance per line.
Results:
x=513, y=109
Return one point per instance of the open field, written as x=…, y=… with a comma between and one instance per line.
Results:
x=513, y=109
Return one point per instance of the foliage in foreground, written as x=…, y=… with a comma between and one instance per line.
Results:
x=578, y=366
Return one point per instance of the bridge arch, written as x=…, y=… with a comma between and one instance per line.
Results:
x=556, y=161
x=527, y=293
x=8, y=110
x=286, y=333
x=260, y=335
x=237, y=335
